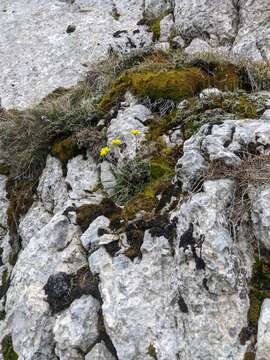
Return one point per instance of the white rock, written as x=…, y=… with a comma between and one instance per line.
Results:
x=260, y=213
x=99, y=352
x=166, y=25
x=220, y=142
x=52, y=57
x=52, y=189
x=266, y=115
x=77, y=327
x=263, y=337
x=55, y=248
x=35, y=219
x=156, y=8
x=120, y=127
x=197, y=46
x=82, y=176
x=107, y=177
x=206, y=93
x=3, y=202
x=90, y=236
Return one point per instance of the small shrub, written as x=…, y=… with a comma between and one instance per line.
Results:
x=131, y=178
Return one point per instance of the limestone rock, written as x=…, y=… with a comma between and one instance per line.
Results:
x=133, y=117
x=76, y=329
x=90, y=237
x=263, y=342
x=99, y=352
x=52, y=189
x=53, y=57
x=82, y=176
x=54, y=248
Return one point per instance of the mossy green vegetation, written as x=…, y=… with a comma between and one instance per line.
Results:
x=260, y=289
x=4, y=169
x=65, y=149
x=7, y=349
x=152, y=351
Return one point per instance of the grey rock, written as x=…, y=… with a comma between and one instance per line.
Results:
x=35, y=219
x=197, y=46
x=107, y=177
x=176, y=305
x=260, y=213
x=82, y=176
x=263, y=337
x=3, y=202
x=90, y=236
x=52, y=189
x=77, y=328
x=130, y=118
x=99, y=352
x=203, y=18
x=55, y=248
x=52, y=57
x=220, y=142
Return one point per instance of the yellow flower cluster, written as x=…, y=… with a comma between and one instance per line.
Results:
x=116, y=142
x=135, y=132
x=104, y=151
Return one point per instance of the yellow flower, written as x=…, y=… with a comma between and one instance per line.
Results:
x=116, y=142
x=135, y=132
x=104, y=151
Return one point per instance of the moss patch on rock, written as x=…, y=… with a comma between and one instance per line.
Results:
x=65, y=149
x=7, y=349
x=260, y=289
x=4, y=169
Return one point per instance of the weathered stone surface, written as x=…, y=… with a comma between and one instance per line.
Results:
x=204, y=286
x=263, y=342
x=82, y=176
x=253, y=34
x=260, y=213
x=54, y=248
x=35, y=219
x=51, y=56
x=91, y=236
x=213, y=20
x=99, y=352
x=76, y=329
x=52, y=189
x=131, y=118
x=223, y=142
x=3, y=202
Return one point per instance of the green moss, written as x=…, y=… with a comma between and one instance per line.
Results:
x=86, y=214
x=159, y=169
x=152, y=351
x=140, y=202
x=173, y=84
x=65, y=149
x=2, y=315
x=249, y=355
x=4, y=169
x=259, y=289
x=7, y=349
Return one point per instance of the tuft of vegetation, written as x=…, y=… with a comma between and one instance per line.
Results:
x=7, y=349
x=130, y=178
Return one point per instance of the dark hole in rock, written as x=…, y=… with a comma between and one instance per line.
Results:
x=62, y=289
x=182, y=305
x=70, y=29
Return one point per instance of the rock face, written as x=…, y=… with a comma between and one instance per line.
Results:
x=89, y=29
x=263, y=347
x=171, y=270
x=183, y=295
x=53, y=56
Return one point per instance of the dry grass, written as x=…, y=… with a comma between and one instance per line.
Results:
x=254, y=170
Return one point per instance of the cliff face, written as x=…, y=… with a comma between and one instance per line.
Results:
x=135, y=205
x=53, y=42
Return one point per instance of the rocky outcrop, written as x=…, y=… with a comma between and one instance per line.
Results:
x=88, y=30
